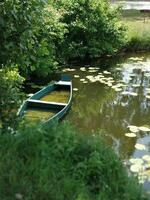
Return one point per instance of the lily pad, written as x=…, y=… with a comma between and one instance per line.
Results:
x=136, y=168
x=133, y=94
x=118, y=89
x=106, y=72
x=83, y=69
x=144, y=129
x=76, y=76
x=82, y=79
x=135, y=85
x=146, y=158
x=75, y=89
x=140, y=146
x=133, y=129
x=125, y=93
x=85, y=81
x=148, y=96
x=137, y=161
x=130, y=135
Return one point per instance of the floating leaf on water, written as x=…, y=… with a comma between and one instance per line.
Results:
x=120, y=85
x=116, y=86
x=147, y=74
x=146, y=158
x=102, y=81
x=112, y=81
x=137, y=161
x=147, y=89
x=136, y=58
x=83, y=69
x=118, y=89
x=89, y=76
x=118, y=69
x=70, y=70
x=76, y=76
x=130, y=134
x=144, y=128
x=109, y=84
x=133, y=94
x=136, y=168
x=135, y=85
x=125, y=93
x=133, y=129
x=110, y=78
x=91, y=68
x=92, y=71
x=148, y=96
x=140, y=146
x=106, y=72
x=82, y=79
x=101, y=76
x=85, y=81
x=75, y=89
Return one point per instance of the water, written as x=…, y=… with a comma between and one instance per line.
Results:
x=98, y=105
x=37, y=114
x=60, y=96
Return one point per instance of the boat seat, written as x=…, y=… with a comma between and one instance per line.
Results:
x=63, y=83
x=46, y=102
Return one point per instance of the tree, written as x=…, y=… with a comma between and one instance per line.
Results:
x=10, y=97
x=93, y=28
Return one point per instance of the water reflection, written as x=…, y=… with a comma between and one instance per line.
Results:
x=99, y=105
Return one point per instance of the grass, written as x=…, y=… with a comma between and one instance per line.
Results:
x=138, y=27
x=59, y=164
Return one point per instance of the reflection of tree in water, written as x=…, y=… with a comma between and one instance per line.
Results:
x=122, y=111
x=96, y=106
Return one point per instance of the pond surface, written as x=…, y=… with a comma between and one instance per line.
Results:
x=114, y=95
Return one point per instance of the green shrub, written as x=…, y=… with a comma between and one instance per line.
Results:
x=93, y=28
x=27, y=36
x=10, y=97
x=57, y=163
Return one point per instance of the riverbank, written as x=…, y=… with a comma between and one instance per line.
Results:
x=58, y=163
x=138, y=26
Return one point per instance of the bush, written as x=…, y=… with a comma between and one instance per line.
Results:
x=27, y=36
x=10, y=97
x=56, y=163
x=93, y=28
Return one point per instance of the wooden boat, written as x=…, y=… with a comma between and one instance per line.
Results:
x=50, y=103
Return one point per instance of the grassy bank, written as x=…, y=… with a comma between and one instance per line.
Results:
x=56, y=163
x=138, y=26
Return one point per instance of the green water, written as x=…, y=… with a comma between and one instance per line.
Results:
x=96, y=105
x=35, y=115
x=60, y=96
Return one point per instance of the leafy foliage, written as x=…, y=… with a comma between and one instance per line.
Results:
x=10, y=97
x=27, y=35
x=93, y=28
x=57, y=163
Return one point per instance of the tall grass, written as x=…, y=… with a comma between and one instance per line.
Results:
x=55, y=163
x=138, y=27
